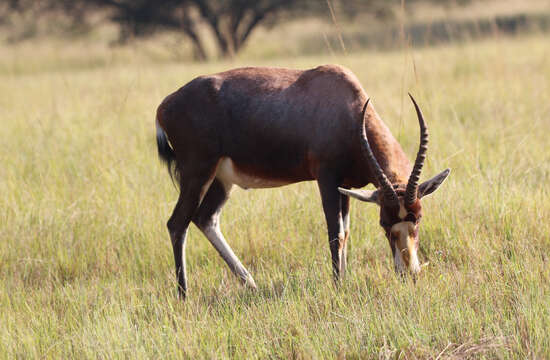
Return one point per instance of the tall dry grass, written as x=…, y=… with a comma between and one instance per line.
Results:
x=86, y=266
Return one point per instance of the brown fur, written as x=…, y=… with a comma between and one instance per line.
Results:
x=282, y=125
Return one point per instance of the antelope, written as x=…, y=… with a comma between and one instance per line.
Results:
x=268, y=127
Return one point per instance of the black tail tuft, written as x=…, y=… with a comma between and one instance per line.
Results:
x=167, y=155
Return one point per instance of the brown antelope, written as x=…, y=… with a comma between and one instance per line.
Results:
x=268, y=127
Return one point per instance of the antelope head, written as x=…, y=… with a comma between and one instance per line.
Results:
x=400, y=204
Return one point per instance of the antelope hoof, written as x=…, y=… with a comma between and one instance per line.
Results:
x=248, y=281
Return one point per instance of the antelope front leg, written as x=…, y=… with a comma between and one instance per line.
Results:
x=333, y=214
x=345, y=203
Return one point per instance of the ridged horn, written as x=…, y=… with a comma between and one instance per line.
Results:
x=412, y=185
x=383, y=182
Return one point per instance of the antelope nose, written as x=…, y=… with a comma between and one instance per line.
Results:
x=414, y=268
x=415, y=271
x=414, y=265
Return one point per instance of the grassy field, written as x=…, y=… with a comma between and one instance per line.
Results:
x=86, y=267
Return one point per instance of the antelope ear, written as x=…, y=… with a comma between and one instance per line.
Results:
x=363, y=195
x=429, y=186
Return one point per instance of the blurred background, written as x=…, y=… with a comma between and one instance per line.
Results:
x=203, y=30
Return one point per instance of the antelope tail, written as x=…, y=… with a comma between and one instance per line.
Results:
x=166, y=153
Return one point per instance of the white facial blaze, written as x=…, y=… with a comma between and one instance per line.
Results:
x=405, y=255
x=414, y=264
x=402, y=210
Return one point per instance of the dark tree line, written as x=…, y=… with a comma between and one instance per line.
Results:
x=230, y=21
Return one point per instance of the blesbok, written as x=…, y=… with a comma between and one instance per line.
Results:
x=268, y=127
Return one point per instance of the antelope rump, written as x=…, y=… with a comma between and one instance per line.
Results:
x=269, y=127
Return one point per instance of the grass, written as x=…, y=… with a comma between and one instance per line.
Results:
x=86, y=268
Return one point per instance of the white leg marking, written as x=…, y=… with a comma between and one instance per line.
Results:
x=344, y=255
x=216, y=238
x=340, y=227
x=341, y=250
x=346, y=222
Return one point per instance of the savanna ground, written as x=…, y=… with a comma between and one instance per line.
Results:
x=86, y=267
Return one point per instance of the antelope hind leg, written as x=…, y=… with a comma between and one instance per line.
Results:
x=207, y=220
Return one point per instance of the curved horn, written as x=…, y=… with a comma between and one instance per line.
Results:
x=383, y=182
x=412, y=184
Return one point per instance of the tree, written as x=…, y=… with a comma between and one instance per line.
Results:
x=140, y=18
x=230, y=21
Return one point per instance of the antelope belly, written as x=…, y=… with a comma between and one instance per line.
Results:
x=228, y=173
